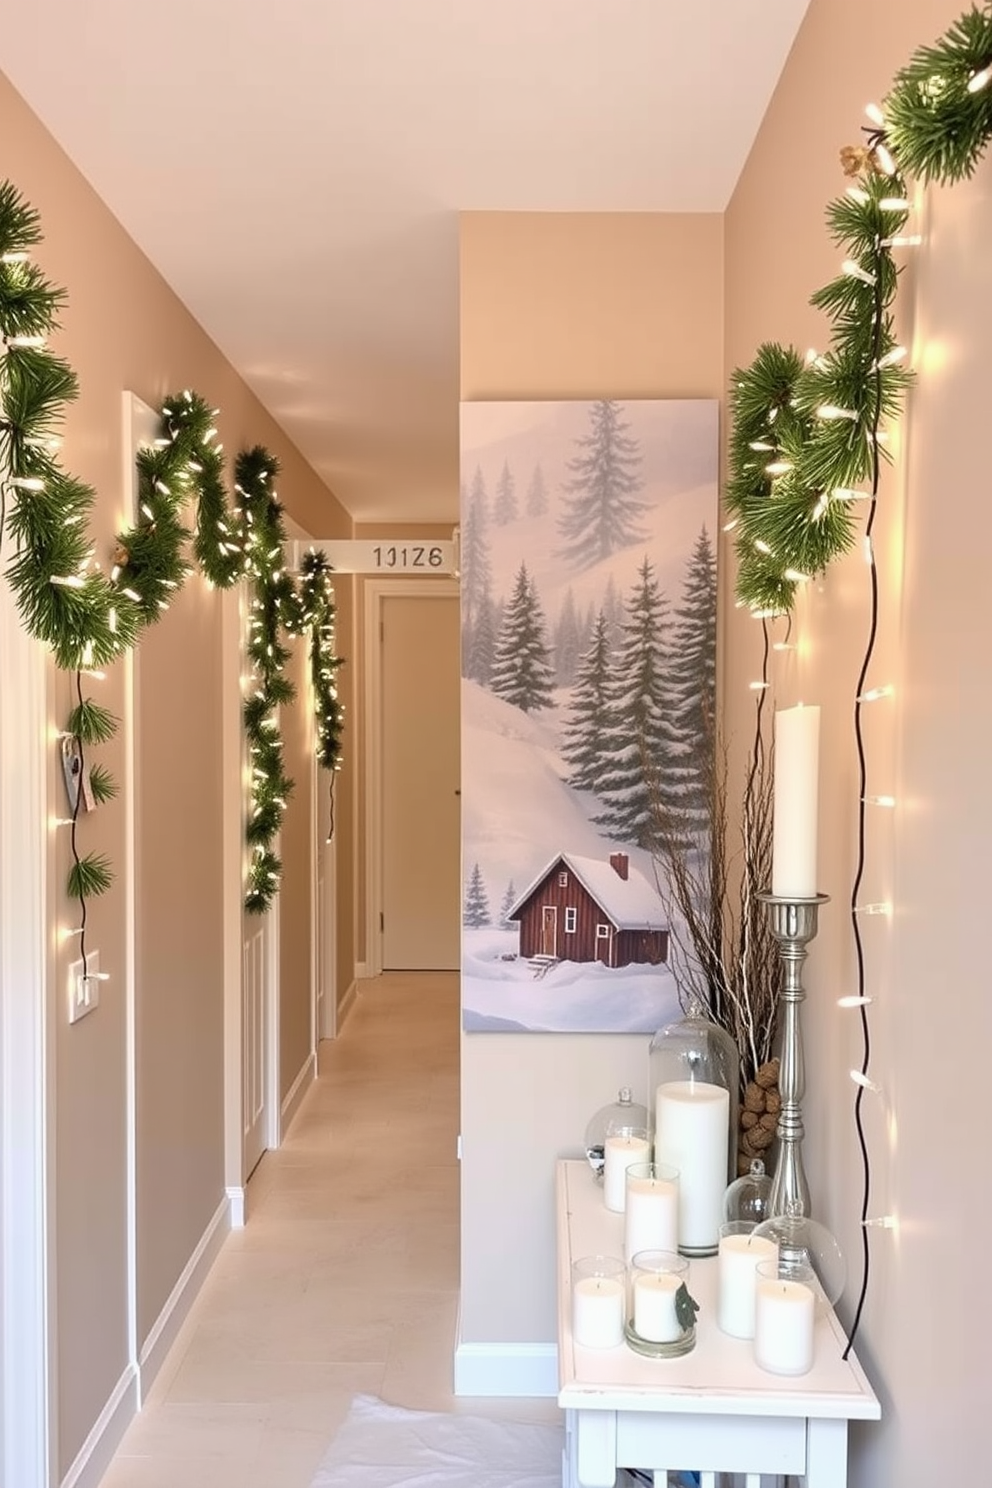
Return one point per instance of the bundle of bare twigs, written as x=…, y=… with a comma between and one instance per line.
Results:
x=711, y=875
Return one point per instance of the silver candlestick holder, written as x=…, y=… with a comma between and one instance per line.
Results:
x=793, y=924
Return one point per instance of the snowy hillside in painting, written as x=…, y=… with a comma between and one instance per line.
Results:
x=511, y=757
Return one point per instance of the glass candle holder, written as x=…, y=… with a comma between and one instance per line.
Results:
x=598, y=1301
x=741, y=1252
x=651, y=1210
x=661, y=1313
x=784, y=1317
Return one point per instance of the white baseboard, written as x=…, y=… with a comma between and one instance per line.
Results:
x=300, y=1086
x=236, y=1207
x=93, y=1457
x=347, y=1003
x=165, y=1328
x=514, y=1369
x=362, y=973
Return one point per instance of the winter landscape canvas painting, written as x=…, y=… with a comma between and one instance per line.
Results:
x=588, y=584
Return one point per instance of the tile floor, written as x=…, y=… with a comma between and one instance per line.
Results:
x=345, y=1278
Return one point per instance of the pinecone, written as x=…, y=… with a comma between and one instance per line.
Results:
x=759, y=1116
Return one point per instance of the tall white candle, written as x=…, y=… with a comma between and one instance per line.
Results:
x=797, y=751
x=618, y=1154
x=651, y=1216
x=784, y=1313
x=655, y=1318
x=597, y=1312
x=692, y=1133
x=737, y=1262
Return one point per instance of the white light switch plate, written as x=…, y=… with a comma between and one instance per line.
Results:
x=84, y=990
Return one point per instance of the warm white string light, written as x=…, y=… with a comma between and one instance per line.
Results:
x=865, y=1083
x=875, y=694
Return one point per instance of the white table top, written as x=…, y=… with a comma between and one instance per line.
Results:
x=719, y=1375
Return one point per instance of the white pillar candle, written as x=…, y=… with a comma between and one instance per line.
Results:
x=619, y=1153
x=797, y=750
x=692, y=1133
x=597, y=1312
x=651, y=1216
x=784, y=1313
x=737, y=1260
x=655, y=1318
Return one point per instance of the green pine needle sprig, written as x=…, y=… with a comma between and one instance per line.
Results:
x=90, y=877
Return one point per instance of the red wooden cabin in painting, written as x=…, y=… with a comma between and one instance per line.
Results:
x=582, y=909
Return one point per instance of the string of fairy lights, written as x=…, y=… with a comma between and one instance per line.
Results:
x=809, y=436
x=87, y=614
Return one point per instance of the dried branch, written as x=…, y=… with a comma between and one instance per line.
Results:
x=723, y=953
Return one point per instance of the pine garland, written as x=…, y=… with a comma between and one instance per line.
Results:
x=802, y=447
x=87, y=618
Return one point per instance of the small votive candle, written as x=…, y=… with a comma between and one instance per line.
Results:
x=651, y=1212
x=618, y=1154
x=598, y=1301
x=655, y=1279
x=738, y=1258
x=784, y=1318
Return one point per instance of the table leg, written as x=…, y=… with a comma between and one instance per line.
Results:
x=591, y=1449
x=826, y=1453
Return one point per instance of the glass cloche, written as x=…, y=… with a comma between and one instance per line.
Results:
x=805, y=1242
x=746, y=1200
x=623, y=1117
x=693, y=1088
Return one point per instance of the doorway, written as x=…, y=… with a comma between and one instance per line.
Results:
x=414, y=881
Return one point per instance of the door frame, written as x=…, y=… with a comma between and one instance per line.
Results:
x=377, y=590
x=28, y=1413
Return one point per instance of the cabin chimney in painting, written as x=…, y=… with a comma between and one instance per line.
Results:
x=620, y=863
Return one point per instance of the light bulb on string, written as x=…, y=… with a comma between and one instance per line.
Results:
x=980, y=80
x=853, y=270
x=875, y=694
x=865, y=1083
x=879, y=908
x=888, y=801
x=854, y=1002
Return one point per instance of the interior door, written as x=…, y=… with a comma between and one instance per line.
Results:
x=421, y=817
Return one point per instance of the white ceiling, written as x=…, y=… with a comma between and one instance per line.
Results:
x=295, y=168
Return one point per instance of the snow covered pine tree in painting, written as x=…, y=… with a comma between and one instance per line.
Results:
x=588, y=581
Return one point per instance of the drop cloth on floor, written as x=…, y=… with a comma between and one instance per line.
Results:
x=384, y=1446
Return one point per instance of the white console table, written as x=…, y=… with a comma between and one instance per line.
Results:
x=711, y=1412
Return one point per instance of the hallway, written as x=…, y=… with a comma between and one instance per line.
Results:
x=344, y=1280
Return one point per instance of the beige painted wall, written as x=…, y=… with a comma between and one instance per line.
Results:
x=124, y=329
x=925, y=1330
x=563, y=306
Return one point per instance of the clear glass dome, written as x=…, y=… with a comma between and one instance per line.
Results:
x=623, y=1117
x=693, y=1085
x=805, y=1242
x=746, y=1200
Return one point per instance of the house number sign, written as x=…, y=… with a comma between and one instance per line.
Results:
x=386, y=556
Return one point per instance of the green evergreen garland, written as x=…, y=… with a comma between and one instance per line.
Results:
x=803, y=447
x=87, y=618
